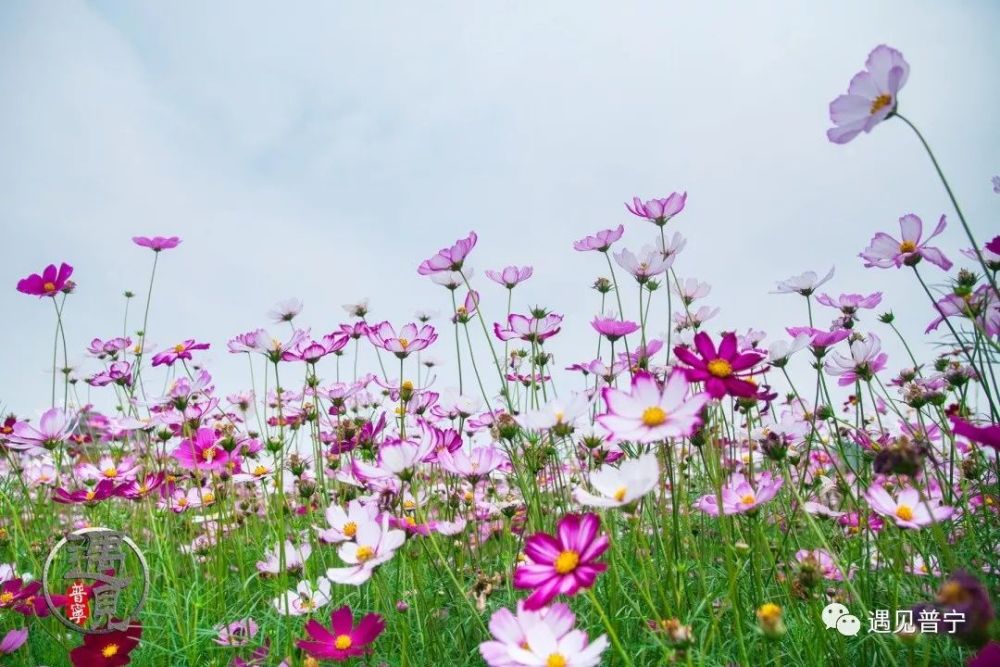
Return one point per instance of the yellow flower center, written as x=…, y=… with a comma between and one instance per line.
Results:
x=406, y=386
x=110, y=650
x=769, y=612
x=91, y=494
x=904, y=512
x=881, y=102
x=208, y=498
x=567, y=561
x=182, y=501
x=49, y=287
x=620, y=494
x=720, y=368
x=342, y=642
x=208, y=454
x=111, y=472
x=404, y=343
x=748, y=499
x=365, y=554
x=179, y=348
x=556, y=660
x=409, y=504
x=260, y=470
x=907, y=246
x=6, y=597
x=654, y=416
x=560, y=416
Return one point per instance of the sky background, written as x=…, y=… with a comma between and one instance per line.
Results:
x=321, y=150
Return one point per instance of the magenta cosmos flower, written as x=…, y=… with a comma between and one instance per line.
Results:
x=907, y=509
x=180, y=351
x=202, y=452
x=409, y=339
x=649, y=413
x=564, y=563
x=719, y=370
x=739, y=496
x=884, y=251
x=13, y=640
x=343, y=639
x=49, y=283
x=529, y=329
x=613, y=329
x=658, y=211
x=601, y=241
x=157, y=243
x=986, y=435
x=449, y=259
x=871, y=95
x=510, y=276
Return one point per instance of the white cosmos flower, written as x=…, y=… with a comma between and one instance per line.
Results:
x=375, y=543
x=621, y=485
x=304, y=599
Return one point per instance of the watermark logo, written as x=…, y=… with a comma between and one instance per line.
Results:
x=105, y=578
x=927, y=621
x=836, y=615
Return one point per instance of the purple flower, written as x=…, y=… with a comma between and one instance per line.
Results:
x=13, y=640
x=157, y=243
x=885, y=252
x=871, y=95
x=564, y=563
x=612, y=328
x=49, y=283
x=54, y=428
x=449, y=259
x=510, y=276
x=719, y=370
x=529, y=329
x=180, y=351
x=850, y=303
x=601, y=241
x=986, y=435
x=409, y=339
x=658, y=211
x=819, y=339
x=739, y=496
x=202, y=452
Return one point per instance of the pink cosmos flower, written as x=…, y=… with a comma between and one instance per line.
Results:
x=907, y=509
x=13, y=640
x=237, y=633
x=474, y=465
x=822, y=561
x=649, y=262
x=285, y=311
x=612, y=328
x=849, y=304
x=110, y=347
x=601, y=241
x=529, y=329
x=982, y=307
x=884, y=251
x=202, y=452
x=510, y=276
x=649, y=413
x=866, y=359
x=157, y=243
x=52, y=281
x=180, y=351
x=296, y=556
x=871, y=96
x=119, y=372
x=564, y=563
x=545, y=640
x=409, y=339
x=449, y=259
x=510, y=631
x=986, y=435
x=739, y=496
x=104, y=490
x=54, y=428
x=719, y=370
x=658, y=211
x=820, y=340
x=342, y=640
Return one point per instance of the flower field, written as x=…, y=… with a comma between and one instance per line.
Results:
x=802, y=497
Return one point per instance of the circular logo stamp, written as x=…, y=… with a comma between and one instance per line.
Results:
x=96, y=581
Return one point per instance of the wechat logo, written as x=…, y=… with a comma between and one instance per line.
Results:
x=836, y=615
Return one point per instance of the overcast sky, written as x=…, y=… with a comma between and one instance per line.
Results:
x=321, y=150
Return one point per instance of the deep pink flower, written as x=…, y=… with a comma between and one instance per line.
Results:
x=658, y=211
x=871, y=95
x=119, y=372
x=601, y=241
x=51, y=282
x=564, y=563
x=885, y=252
x=719, y=370
x=739, y=496
x=510, y=276
x=409, y=339
x=449, y=259
x=649, y=413
x=342, y=640
x=180, y=351
x=157, y=243
x=612, y=328
x=104, y=490
x=202, y=452
x=311, y=351
x=529, y=329
x=986, y=435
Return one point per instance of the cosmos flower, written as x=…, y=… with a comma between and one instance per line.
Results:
x=649, y=413
x=613, y=328
x=907, y=509
x=871, y=95
x=820, y=340
x=884, y=251
x=296, y=556
x=449, y=259
x=157, y=243
x=804, y=283
x=343, y=525
x=510, y=276
x=237, y=633
x=601, y=241
x=648, y=263
x=343, y=640
x=101, y=491
x=304, y=599
x=720, y=370
x=821, y=561
x=285, y=311
x=739, y=496
x=52, y=281
x=13, y=640
x=564, y=563
x=658, y=211
x=849, y=304
x=374, y=543
x=543, y=647
x=202, y=452
x=111, y=649
x=55, y=427
x=621, y=485
x=474, y=465
x=866, y=359
x=510, y=631
x=178, y=352
x=780, y=351
x=558, y=414
x=529, y=329
x=409, y=339
x=986, y=435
